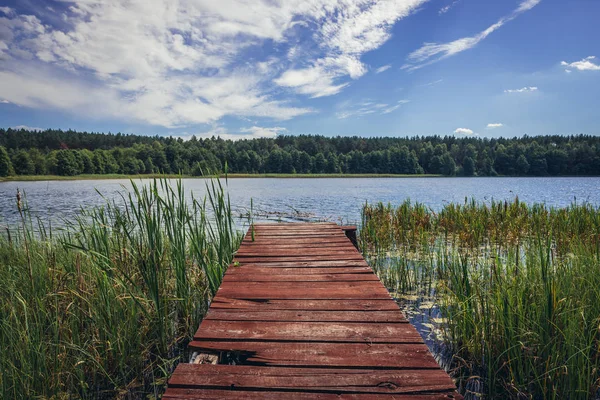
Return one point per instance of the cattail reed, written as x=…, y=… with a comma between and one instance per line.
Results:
x=518, y=286
x=103, y=307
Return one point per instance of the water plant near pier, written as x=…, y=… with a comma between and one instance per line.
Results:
x=102, y=307
x=518, y=286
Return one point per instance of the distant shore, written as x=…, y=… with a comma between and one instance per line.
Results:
x=32, y=178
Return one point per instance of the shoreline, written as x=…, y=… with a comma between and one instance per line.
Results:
x=34, y=178
x=87, y=177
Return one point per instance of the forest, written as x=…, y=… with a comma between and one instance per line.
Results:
x=70, y=153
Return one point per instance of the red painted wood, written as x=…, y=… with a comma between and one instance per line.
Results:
x=308, y=331
x=301, y=296
x=246, y=270
x=304, y=264
x=225, y=303
x=309, y=354
x=326, y=380
x=212, y=394
x=299, y=258
x=250, y=277
x=305, y=315
x=306, y=290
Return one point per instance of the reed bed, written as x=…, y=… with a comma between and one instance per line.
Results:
x=518, y=286
x=103, y=307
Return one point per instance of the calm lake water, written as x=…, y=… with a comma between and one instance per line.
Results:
x=335, y=199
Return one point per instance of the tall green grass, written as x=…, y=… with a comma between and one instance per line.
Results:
x=519, y=286
x=103, y=307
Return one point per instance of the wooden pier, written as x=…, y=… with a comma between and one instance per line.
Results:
x=300, y=315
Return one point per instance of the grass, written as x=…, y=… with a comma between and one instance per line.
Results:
x=25, y=178
x=103, y=307
x=517, y=284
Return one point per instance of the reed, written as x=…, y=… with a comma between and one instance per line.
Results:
x=104, y=306
x=518, y=285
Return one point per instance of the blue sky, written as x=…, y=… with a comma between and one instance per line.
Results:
x=334, y=67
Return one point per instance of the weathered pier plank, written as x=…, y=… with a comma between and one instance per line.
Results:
x=300, y=315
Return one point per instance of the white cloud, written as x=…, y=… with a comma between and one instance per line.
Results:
x=494, y=125
x=346, y=31
x=181, y=63
x=27, y=128
x=393, y=108
x=587, y=64
x=383, y=68
x=253, y=132
x=367, y=107
x=261, y=132
x=431, y=53
x=433, y=83
x=4, y=101
x=7, y=11
x=527, y=5
x=527, y=89
x=447, y=8
x=464, y=131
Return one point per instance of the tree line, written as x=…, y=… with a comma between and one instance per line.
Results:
x=69, y=153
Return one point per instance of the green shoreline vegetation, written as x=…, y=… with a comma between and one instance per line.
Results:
x=71, y=153
x=29, y=178
x=103, y=307
x=517, y=285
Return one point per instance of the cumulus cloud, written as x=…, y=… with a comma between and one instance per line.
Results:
x=464, y=131
x=383, y=68
x=526, y=89
x=587, y=64
x=182, y=63
x=494, y=125
x=431, y=53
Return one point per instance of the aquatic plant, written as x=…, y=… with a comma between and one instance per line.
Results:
x=518, y=285
x=103, y=307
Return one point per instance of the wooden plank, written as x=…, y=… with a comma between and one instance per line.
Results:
x=346, y=332
x=299, y=258
x=302, y=316
x=291, y=248
x=298, y=253
x=304, y=264
x=314, y=379
x=250, y=277
x=318, y=354
x=213, y=394
x=305, y=315
x=292, y=245
x=294, y=241
x=306, y=291
x=226, y=303
x=255, y=270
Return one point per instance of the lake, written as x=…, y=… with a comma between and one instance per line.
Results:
x=334, y=199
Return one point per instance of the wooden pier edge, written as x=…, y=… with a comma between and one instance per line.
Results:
x=300, y=315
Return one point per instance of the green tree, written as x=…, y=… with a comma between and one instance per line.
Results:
x=66, y=163
x=468, y=166
x=6, y=168
x=448, y=167
x=87, y=158
x=39, y=161
x=319, y=163
x=22, y=163
x=522, y=165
